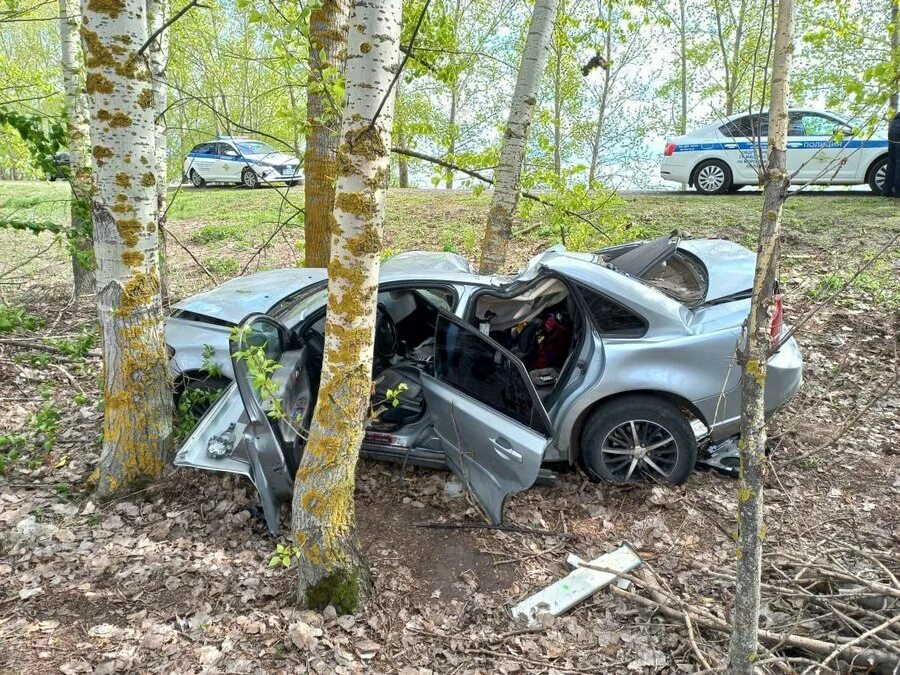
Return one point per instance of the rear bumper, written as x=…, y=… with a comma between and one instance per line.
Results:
x=784, y=377
x=674, y=168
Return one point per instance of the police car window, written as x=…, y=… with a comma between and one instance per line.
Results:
x=808, y=124
x=255, y=148
x=611, y=318
x=227, y=150
x=750, y=126
x=204, y=149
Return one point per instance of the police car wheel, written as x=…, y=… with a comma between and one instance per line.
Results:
x=712, y=177
x=250, y=179
x=877, y=176
x=196, y=180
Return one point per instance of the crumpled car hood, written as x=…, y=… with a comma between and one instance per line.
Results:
x=259, y=292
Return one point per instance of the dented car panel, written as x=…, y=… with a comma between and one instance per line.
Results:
x=486, y=412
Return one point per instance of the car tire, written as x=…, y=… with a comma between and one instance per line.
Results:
x=196, y=179
x=878, y=171
x=295, y=183
x=712, y=177
x=249, y=179
x=667, y=448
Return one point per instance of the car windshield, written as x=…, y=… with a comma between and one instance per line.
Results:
x=255, y=148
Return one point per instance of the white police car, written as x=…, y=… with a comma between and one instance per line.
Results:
x=231, y=159
x=822, y=148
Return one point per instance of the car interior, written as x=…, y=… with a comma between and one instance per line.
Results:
x=535, y=325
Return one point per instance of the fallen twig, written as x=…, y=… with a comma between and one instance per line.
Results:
x=499, y=528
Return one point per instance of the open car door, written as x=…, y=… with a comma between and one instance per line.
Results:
x=487, y=414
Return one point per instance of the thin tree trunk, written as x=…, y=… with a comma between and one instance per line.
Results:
x=401, y=140
x=753, y=357
x=158, y=56
x=451, y=146
x=601, y=111
x=328, y=25
x=512, y=153
x=330, y=568
x=79, y=133
x=682, y=25
x=895, y=53
x=557, y=118
x=137, y=420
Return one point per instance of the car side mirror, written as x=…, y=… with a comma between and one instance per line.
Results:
x=844, y=130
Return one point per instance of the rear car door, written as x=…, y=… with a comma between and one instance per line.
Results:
x=485, y=410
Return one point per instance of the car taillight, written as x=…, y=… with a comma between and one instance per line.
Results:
x=777, y=319
x=670, y=149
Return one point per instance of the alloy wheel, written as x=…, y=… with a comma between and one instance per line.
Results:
x=196, y=180
x=639, y=448
x=250, y=179
x=711, y=177
x=880, y=175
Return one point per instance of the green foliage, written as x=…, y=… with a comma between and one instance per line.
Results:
x=340, y=589
x=76, y=347
x=43, y=137
x=191, y=400
x=219, y=232
x=209, y=366
x=259, y=368
x=223, y=267
x=15, y=318
x=46, y=422
x=284, y=555
x=392, y=396
x=11, y=448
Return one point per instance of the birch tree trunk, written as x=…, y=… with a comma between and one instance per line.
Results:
x=753, y=356
x=137, y=424
x=78, y=129
x=331, y=570
x=512, y=153
x=682, y=54
x=158, y=53
x=328, y=25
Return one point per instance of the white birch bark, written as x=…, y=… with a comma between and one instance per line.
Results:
x=512, y=153
x=137, y=424
x=158, y=58
x=753, y=356
x=328, y=34
x=330, y=569
x=79, y=133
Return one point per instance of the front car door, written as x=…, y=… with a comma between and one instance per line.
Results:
x=821, y=148
x=229, y=162
x=485, y=410
x=260, y=338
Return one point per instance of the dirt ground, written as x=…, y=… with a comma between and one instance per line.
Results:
x=176, y=578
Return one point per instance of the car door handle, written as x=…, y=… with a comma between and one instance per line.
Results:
x=503, y=448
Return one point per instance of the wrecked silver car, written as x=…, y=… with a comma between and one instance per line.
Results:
x=620, y=361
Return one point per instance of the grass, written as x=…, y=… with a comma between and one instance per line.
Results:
x=228, y=227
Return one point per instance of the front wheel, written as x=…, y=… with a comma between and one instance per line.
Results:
x=638, y=438
x=878, y=175
x=250, y=179
x=712, y=177
x=196, y=180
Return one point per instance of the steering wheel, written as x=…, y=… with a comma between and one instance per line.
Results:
x=385, y=334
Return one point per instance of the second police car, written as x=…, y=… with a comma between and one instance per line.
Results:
x=246, y=161
x=823, y=148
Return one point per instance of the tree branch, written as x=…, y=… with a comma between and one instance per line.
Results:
x=159, y=31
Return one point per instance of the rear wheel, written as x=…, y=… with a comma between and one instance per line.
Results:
x=712, y=177
x=196, y=180
x=638, y=438
x=250, y=179
x=877, y=176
